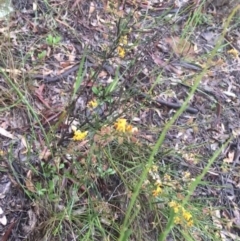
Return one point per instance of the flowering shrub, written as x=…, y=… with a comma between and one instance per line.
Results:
x=163, y=188
x=183, y=217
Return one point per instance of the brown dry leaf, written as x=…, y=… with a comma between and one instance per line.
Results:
x=135, y=140
x=4, y=189
x=76, y=4
x=214, y=63
x=28, y=182
x=32, y=221
x=57, y=161
x=59, y=57
x=75, y=147
x=120, y=140
x=65, y=64
x=39, y=94
x=102, y=74
x=219, y=62
x=3, y=219
x=91, y=9
x=190, y=121
x=7, y=134
x=230, y=235
x=230, y=94
x=4, y=124
x=236, y=213
x=216, y=219
x=24, y=145
x=34, y=6
x=229, y=225
x=165, y=65
x=181, y=46
x=230, y=157
x=146, y=137
x=45, y=154
x=13, y=71
x=195, y=129
x=211, y=37
x=46, y=71
x=65, y=69
x=236, y=132
x=49, y=50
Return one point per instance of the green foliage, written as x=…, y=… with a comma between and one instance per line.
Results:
x=106, y=92
x=105, y=173
x=42, y=54
x=40, y=190
x=53, y=40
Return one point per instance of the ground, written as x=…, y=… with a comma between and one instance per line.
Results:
x=88, y=90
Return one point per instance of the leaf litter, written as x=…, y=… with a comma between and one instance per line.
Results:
x=157, y=51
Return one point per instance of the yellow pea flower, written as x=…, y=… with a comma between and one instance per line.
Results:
x=172, y=204
x=177, y=220
x=121, y=52
x=175, y=206
x=120, y=125
x=79, y=136
x=233, y=52
x=92, y=104
x=157, y=191
x=187, y=216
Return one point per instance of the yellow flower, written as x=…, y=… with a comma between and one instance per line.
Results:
x=175, y=206
x=78, y=135
x=234, y=52
x=177, y=220
x=157, y=191
x=120, y=125
x=172, y=204
x=92, y=104
x=176, y=209
x=187, y=216
x=121, y=52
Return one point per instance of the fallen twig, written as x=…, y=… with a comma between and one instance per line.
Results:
x=172, y=105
